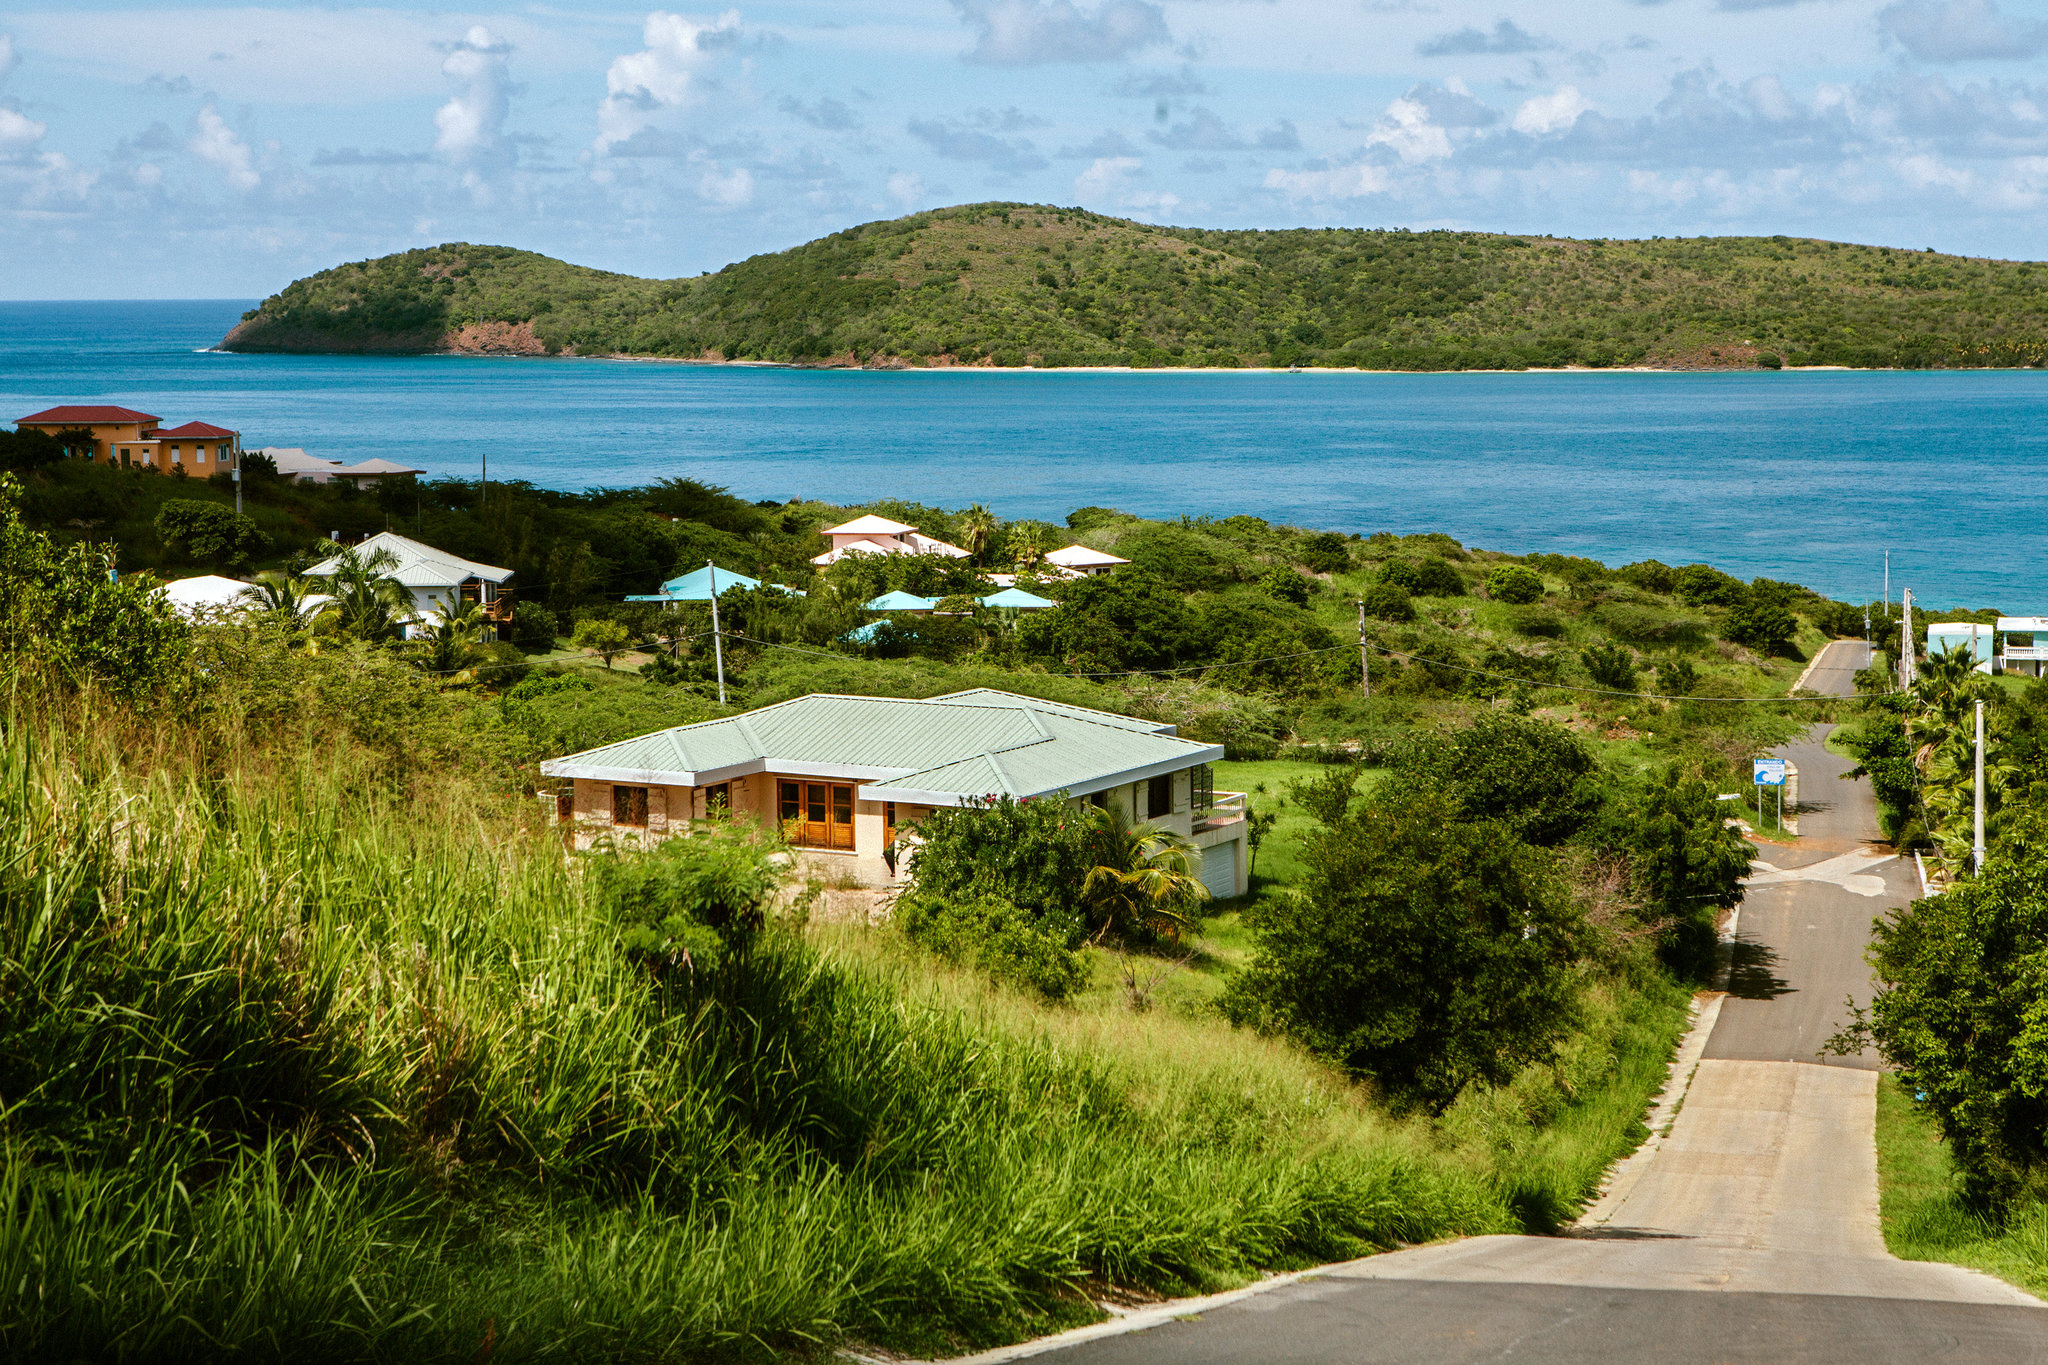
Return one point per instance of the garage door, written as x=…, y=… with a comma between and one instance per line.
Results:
x=1219, y=869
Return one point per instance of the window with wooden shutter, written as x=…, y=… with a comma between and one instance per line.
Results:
x=1201, y=788
x=1159, y=797
x=629, y=807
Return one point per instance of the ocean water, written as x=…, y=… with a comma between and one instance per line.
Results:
x=1807, y=476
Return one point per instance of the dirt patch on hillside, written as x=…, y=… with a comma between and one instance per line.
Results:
x=495, y=338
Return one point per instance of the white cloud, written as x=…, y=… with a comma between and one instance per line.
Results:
x=19, y=133
x=663, y=75
x=906, y=188
x=212, y=140
x=1405, y=130
x=1106, y=175
x=1031, y=32
x=1112, y=182
x=1337, y=182
x=470, y=127
x=1552, y=113
x=1960, y=31
x=730, y=189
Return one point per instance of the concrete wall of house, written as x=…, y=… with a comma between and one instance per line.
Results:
x=671, y=809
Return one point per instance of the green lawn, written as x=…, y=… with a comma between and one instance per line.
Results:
x=1265, y=785
x=1923, y=1216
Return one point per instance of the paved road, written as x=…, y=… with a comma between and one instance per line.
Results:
x=1746, y=1231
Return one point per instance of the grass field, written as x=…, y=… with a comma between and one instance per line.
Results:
x=301, y=1059
x=1925, y=1218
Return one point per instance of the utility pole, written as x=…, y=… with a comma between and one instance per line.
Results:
x=1887, y=582
x=483, y=490
x=717, y=640
x=1977, y=845
x=238, y=475
x=1907, y=671
x=1364, y=668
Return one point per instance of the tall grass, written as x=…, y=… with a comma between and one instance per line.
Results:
x=1924, y=1214
x=296, y=1060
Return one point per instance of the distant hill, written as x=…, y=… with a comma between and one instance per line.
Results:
x=1022, y=284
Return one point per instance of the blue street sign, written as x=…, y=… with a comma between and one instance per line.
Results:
x=1768, y=772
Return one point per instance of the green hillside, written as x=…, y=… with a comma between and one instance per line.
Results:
x=1016, y=284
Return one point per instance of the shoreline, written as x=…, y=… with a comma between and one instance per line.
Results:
x=1120, y=369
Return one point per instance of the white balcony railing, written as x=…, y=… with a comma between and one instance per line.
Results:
x=1224, y=806
x=2021, y=654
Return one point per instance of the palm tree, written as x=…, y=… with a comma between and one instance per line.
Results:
x=369, y=604
x=1144, y=877
x=284, y=598
x=1027, y=547
x=977, y=531
x=449, y=644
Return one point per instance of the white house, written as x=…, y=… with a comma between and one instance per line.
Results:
x=2026, y=658
x=295, y=464
x=1966, y=636
x=1078, y=561
x=873, y=535
x=440, y=583
x=844, y=776
x=204, y=594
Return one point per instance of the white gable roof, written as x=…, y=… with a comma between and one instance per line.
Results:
x=188, y=595
x=869, y=526
x=1081, y=557
x=420, y=566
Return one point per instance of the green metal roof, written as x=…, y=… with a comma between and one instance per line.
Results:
x=940, y=750
x=1016, y=599
x=901, y=601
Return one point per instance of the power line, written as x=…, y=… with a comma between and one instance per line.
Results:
x=1391, y=653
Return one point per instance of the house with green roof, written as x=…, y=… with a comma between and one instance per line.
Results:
x=846, y=778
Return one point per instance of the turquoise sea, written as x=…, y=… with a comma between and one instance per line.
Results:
x=1805, y=476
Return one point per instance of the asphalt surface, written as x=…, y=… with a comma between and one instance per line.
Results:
x=1744, y=1230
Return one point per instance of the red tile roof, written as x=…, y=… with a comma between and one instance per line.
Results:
x=85, y=416
x=195, y=431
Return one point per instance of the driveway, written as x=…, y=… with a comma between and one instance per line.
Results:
x=1745, y=1231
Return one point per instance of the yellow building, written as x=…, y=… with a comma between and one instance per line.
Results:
x=124, y=436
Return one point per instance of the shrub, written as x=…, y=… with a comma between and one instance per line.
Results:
x=1128, y=619
x=1762, y=621
x=990, y=933
x=534, y=626
x=207, y=533
x=1388, y=602
x=1650, y=575
x=1424, y=949
x=1677, y=677
x=1685, y=861
x=1514, y=583
x=1641, y=625
x=1959, y=1011
x=1702, y=585
x=1426, y=577
x=500, y=663
x=606, y=639
x=1529, y=775
x=1325, y=552
x=687, y=902
x=1538, y=622
x=66, y=609
x=1029, y=854
x=1612, y=666
x=1288, y=586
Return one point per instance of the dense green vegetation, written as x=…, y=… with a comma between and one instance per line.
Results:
x=1020, y=284
x=1962, y=991
x=314, y=1043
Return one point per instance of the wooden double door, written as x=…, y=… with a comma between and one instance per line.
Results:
x=818, y=814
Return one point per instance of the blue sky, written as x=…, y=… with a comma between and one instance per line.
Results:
x=187, y=150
